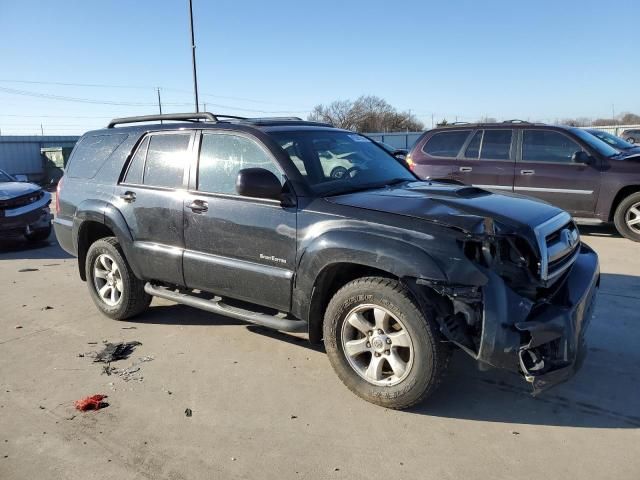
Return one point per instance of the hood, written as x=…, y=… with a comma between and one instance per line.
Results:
x=458, y=206
x=9, y=190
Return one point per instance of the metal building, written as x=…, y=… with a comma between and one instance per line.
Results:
x=24, y=155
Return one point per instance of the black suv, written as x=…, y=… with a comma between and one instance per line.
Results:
x=242, y=217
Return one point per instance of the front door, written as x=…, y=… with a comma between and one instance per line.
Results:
x=545, y=170
x=150, y=199
x=236, y=246
x=488, y=160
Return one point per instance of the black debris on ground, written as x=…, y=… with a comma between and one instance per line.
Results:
x=48, y=307
x=129, y=328
x=22, y=270
x=293, y=417
x=188, y=412
x=116, y=351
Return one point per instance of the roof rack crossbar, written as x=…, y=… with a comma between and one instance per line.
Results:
x=189, y=117
x=515, y=120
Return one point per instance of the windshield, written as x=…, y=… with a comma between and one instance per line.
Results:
x=337, y=162
x=5, y=177
x=611, y=139
x=594, y=142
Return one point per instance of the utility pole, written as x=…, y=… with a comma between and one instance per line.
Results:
x=613, y=112
x=41, y=130
x=193, y=55
x=159, y=103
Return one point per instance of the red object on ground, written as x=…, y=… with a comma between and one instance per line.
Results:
x=93, y=402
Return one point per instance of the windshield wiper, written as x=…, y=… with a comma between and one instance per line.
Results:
x=364, y=186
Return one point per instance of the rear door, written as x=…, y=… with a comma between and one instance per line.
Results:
x=237, y=246
x=545, y=170
x=150, y=199
x=437, y=157
x=488, y=160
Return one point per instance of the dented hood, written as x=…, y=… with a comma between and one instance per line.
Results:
x=457, y=206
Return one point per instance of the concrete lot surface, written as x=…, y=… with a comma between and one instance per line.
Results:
x=266, y=405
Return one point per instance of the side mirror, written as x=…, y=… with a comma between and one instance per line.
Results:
x=258, y=183
x=400, y=154
x=582, y=157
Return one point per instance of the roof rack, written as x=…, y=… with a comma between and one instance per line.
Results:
x=515, y=120
x=189, y=117
x=458, y=123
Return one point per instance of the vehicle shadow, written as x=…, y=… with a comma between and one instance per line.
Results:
x=605, y=230
x=603, y=394
x=21, y=248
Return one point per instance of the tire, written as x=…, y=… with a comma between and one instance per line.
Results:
x=338, y=172
x=631, y=140
x=425, y=360
x=129, y=298
x=39, y=235
x=626, y=216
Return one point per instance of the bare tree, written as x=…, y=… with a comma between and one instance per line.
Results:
x=368, y=113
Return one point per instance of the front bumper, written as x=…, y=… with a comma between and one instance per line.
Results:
x=544, y=341
x=27, y=219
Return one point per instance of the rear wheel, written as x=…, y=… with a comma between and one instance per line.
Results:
x=631, y=140
x=627, y=217
x=381, y=345
x=114, y=288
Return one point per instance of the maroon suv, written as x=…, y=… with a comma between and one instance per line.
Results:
x=565, y=166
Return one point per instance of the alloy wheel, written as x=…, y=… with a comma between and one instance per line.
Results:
x=377, y=345
x=107, y=279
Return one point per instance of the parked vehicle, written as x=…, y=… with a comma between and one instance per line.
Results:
x=565, y=166
x=632, y=135
x=616, y=142
x=389, y=271
x=24, y=209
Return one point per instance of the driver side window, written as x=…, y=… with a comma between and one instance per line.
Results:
x=547, y=146
x=222, y=156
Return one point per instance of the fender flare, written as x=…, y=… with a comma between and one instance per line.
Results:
x=395, y=256
x=108, y=215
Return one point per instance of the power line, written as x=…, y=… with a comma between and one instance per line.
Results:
x=141, y=87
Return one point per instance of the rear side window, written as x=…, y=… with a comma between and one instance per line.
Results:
x=91, y=152
x=136, y=167
x=166, y=157
x=473, y=149
x=496, y=144
x=547, y=146
x=222, y=156
x=446, y=144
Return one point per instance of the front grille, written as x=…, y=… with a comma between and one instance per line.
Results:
x=21, y=201
x=559, y=243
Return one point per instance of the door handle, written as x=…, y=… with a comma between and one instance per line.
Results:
x=466, y=169
x=528, y=172
x=128, y=196
x=199, y=206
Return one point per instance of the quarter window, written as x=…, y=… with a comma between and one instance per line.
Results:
x=496, y=145
x=547, y=146
x=222, y=156
x=166, y=158
x=136, y=167
x=446, y=144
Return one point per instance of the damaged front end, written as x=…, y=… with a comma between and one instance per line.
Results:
x=531, y=314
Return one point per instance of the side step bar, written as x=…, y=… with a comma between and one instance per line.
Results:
x=216, y=305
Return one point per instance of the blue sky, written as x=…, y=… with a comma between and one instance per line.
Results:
x=542, y=60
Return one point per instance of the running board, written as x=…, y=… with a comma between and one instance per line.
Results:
x=216, y=305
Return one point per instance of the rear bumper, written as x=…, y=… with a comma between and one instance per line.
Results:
x=545, y=341
x=64, y=234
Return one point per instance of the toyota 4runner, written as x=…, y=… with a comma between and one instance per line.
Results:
x=241, y=217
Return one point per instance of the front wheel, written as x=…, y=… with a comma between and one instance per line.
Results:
x=114, y=288
x=627, y=217
x=381, y=345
